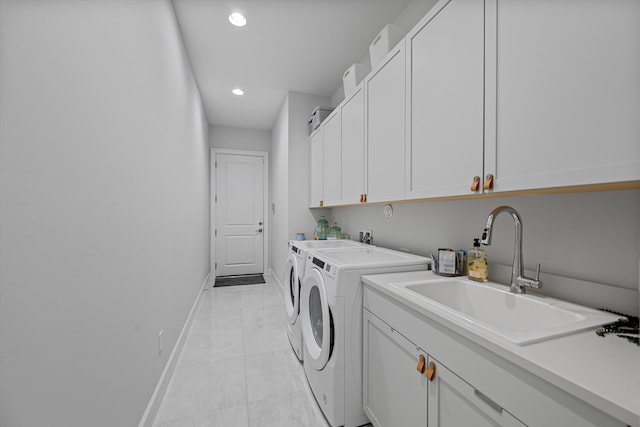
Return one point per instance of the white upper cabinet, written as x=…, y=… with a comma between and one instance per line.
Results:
x=353, y=148
x=331, y=161
x=492, y=96
x=315, y=169
x=566, y=101
x=445, y=101
x=385, y=93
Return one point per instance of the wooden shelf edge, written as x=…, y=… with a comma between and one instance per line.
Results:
x=593, y=188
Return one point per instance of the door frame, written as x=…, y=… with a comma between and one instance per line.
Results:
x=265, y=209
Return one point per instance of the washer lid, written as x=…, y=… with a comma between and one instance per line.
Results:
x=368, y=257
x=327, y=244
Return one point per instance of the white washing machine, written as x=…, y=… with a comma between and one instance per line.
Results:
x=331, y=321
x=294, y=271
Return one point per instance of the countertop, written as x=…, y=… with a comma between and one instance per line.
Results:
x=602, y=371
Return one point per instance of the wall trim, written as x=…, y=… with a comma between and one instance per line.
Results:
x=276, y=279
x=153, y=406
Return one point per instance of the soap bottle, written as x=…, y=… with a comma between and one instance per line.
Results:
x=477, y=263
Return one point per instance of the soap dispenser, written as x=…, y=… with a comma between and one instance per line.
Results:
x=477, y=267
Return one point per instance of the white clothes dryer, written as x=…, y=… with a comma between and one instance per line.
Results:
x=331, y=320
x=293, y=275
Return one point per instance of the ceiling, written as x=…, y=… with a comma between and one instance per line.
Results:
x=287, y=45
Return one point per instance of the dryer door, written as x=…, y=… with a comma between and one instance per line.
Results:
x=317, y=321
x=292, y=288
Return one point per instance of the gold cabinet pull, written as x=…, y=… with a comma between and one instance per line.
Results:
x=421, y=364
x=488, y=182
x=431, y=372
x=365, y=198
x=321, y=203
x=475, y=185
x=362, y=198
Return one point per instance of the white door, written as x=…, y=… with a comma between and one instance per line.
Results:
x=239, y=199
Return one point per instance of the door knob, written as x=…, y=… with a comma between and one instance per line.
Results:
x=260, y=223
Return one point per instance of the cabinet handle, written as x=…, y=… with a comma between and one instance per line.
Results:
x=488, y=182
x=488, y=401
x=475, y=185
x=321, y=203
x=365, y=198
x=421, y=364
x=431, y=372
x=362, y=198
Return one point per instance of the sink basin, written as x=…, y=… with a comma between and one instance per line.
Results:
x=522, y=319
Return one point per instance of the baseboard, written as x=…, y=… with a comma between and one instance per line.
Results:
x=276, y=279
x=151, y=411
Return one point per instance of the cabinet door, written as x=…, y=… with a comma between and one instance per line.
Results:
x=445, y=90
x=331, y=161
x=567, y=93
x=394, y=392
x=315, y=169
x=453, y=402
x=386, y=129
x=353, y=148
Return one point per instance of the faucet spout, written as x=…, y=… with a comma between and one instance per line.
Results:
x=518, y=280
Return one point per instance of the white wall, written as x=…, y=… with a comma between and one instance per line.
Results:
x=279, y=188
x=239, y=138
x=290, y=175
x=104, y=211
x=589, y=236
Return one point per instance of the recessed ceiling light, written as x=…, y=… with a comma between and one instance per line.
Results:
x=238, y=91
x=238, y=19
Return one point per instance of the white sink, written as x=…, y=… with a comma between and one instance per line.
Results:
x=522, y=319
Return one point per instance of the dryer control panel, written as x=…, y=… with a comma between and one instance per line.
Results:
x=323, y=265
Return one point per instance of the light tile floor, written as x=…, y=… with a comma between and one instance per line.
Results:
x=237, y=368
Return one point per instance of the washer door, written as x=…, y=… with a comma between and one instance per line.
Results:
x=317, y=322
x=292, y=288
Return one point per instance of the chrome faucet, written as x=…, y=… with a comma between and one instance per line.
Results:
x=518, y=280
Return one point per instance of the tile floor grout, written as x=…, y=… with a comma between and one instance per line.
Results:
x=238, y=370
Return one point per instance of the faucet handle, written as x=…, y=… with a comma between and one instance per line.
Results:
x=538, y=273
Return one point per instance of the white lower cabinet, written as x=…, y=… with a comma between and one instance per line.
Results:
x=453, y=402
x=397, y=391
x=460, y=382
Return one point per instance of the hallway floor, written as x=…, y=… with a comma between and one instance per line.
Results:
x=237, y=368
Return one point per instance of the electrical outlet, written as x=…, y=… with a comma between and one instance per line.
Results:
x=366, y=236
x=160, y=342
